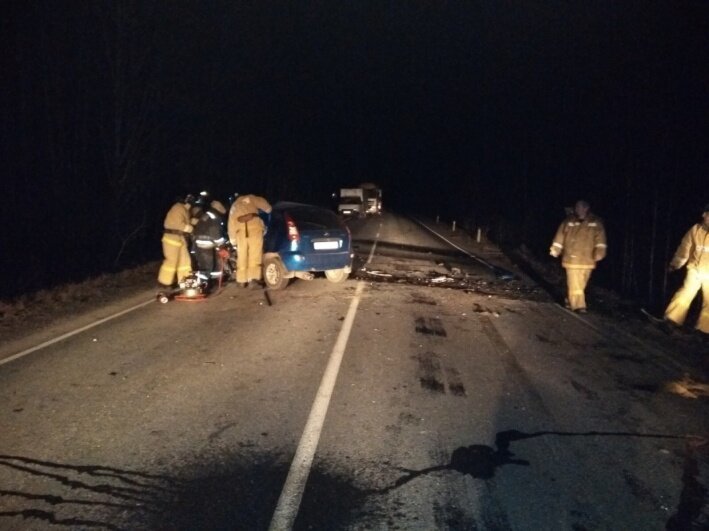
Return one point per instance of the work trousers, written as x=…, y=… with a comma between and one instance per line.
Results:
x=576, y=281
x=679, y=305
x=249, y=254
x=206, y=259
x=176, y=262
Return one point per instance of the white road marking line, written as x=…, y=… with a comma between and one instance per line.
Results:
x=501, y=273
x=74, y=332
x=471, y=255
x=579, y=318
x=292, y=493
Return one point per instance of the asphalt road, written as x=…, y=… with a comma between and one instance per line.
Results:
x=425, y=392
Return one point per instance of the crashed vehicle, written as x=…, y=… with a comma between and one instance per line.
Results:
x=302, y=240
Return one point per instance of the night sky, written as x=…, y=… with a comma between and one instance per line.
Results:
x=495, y=113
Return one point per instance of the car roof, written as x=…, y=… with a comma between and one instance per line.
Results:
x=284, y=205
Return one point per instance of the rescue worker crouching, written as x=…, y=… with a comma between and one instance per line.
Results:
x=245, y=229
x=693, y=251
x=581, y=242
x=208, y=237
x=177, y=225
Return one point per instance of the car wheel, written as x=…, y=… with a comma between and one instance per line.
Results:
x=337, y=275
x=274, y=273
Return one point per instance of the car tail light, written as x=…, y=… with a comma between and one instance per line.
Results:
x=293, y=234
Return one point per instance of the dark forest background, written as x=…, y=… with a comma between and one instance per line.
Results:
x=497, y=114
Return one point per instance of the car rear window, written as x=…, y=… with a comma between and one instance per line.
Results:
x=315, y=218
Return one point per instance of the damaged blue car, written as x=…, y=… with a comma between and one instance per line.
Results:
x=302, y=240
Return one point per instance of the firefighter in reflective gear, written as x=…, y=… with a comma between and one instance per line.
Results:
x=693, y=252
x=177, y=263
x=201, y=203
x=581, y=242
x=245, y=229
x=209, y=234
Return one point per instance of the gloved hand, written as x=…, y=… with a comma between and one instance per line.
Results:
x=188, y=229
x=554, y=252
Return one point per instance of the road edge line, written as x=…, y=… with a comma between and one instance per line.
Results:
x=72, y=333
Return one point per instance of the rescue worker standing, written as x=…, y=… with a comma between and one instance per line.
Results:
x=245, y=229
x=208, y=237
x=177, y=263
x=693, y=251
x=581, y=242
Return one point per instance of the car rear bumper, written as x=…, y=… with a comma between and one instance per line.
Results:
x=316, y=262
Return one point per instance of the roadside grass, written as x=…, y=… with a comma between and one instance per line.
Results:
x=35, y=310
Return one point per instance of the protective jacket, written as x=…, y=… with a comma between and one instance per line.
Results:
x=176, y=257
x=581, y=243
x=209, y=230
x=177, y=220
x=693, y=250
x=246, y=229
x=209, y=235
x=247, y=204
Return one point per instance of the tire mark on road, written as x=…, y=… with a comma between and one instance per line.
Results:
x=455, y=384
x=430, y=373
x=435, y=377
x=430, y=326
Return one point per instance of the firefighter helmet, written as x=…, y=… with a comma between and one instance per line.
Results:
x=204, y=199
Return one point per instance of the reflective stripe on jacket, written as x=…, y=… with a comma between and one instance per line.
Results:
x=581, y=243
x=208, y=232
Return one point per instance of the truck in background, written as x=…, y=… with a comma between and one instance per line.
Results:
x=372, y=198
x=351, y=202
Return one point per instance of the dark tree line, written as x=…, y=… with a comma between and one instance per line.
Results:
x=80, y=144
x=499, y=115
x=609, y=106
x=111, y=110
